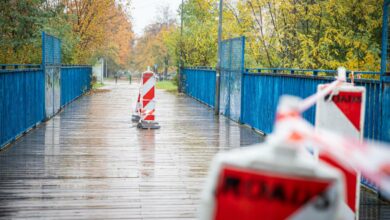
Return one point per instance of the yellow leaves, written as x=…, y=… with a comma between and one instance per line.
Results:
x=153, y=47
x=103, y=29
x=288, y=33
x=371, y=61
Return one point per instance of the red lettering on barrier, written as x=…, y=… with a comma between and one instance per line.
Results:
x=249, y=194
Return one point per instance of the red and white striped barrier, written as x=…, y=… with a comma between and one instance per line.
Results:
x=271, y=182
x=370, y=158
x=148, y=102
x=342, y=111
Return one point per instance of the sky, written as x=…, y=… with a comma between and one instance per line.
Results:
x=143, y=12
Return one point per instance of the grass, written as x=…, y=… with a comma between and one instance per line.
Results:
x=167, y=86
x=97, y=85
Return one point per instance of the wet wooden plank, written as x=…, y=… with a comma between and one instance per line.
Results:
x=90, y=161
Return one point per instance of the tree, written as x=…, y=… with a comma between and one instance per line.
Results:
x=152, y=48
x=315, y=34
x=103, y=29
x=88, y=30
x=20, y=24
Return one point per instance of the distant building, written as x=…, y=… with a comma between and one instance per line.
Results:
x=98, y=70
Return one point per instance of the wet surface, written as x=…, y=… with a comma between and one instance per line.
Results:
x=91, y=162
x=371, y=208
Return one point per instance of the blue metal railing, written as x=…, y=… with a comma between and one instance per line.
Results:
x=201, y=68
x=51, y=50
x=261, y=93
x=29, y=93
x=75, y=81
x=308, y=72
x=262, y=88
x=22, y=96
x=199, y=83
x=23, y=67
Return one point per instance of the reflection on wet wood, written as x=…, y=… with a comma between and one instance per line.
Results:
x=92, y=162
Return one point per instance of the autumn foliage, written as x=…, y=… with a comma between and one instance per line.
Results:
x=153, y=47
x=88, y=29
x=315, y=34
x=103, y=29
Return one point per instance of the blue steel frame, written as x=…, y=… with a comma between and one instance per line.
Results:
x=242, y=74
x=385, y=76
x=232, y=66
x=313, y=72
x=12, y=67
x=51, y=50
x=75, y=81
x=385, y=34
x=51, y=65
x=21, y=102
x=27, y=83
x=199, y=77
x=275, y=82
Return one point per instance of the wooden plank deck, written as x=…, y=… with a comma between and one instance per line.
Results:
x=91, y=162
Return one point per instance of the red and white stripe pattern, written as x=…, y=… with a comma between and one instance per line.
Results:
x=147, y=91
x=342, y=112
x=370, y=158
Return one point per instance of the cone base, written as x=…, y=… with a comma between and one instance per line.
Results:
x=148, y=125
x=135, y=118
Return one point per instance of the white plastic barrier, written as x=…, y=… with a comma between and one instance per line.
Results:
x=264, y=182
x=342, y=111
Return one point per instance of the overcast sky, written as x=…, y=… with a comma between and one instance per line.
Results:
x=143, y=12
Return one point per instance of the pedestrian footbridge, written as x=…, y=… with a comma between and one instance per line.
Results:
x=91, y=162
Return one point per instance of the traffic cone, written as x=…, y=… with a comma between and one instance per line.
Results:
x=147, y=102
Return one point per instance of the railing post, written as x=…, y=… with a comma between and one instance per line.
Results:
x=242, y=78
x=218, y=69
x=384, y=38
x=179, y=78
x=385, y=110
x=384, y=95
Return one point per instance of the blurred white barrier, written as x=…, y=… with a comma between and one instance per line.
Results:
x=279, y=179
